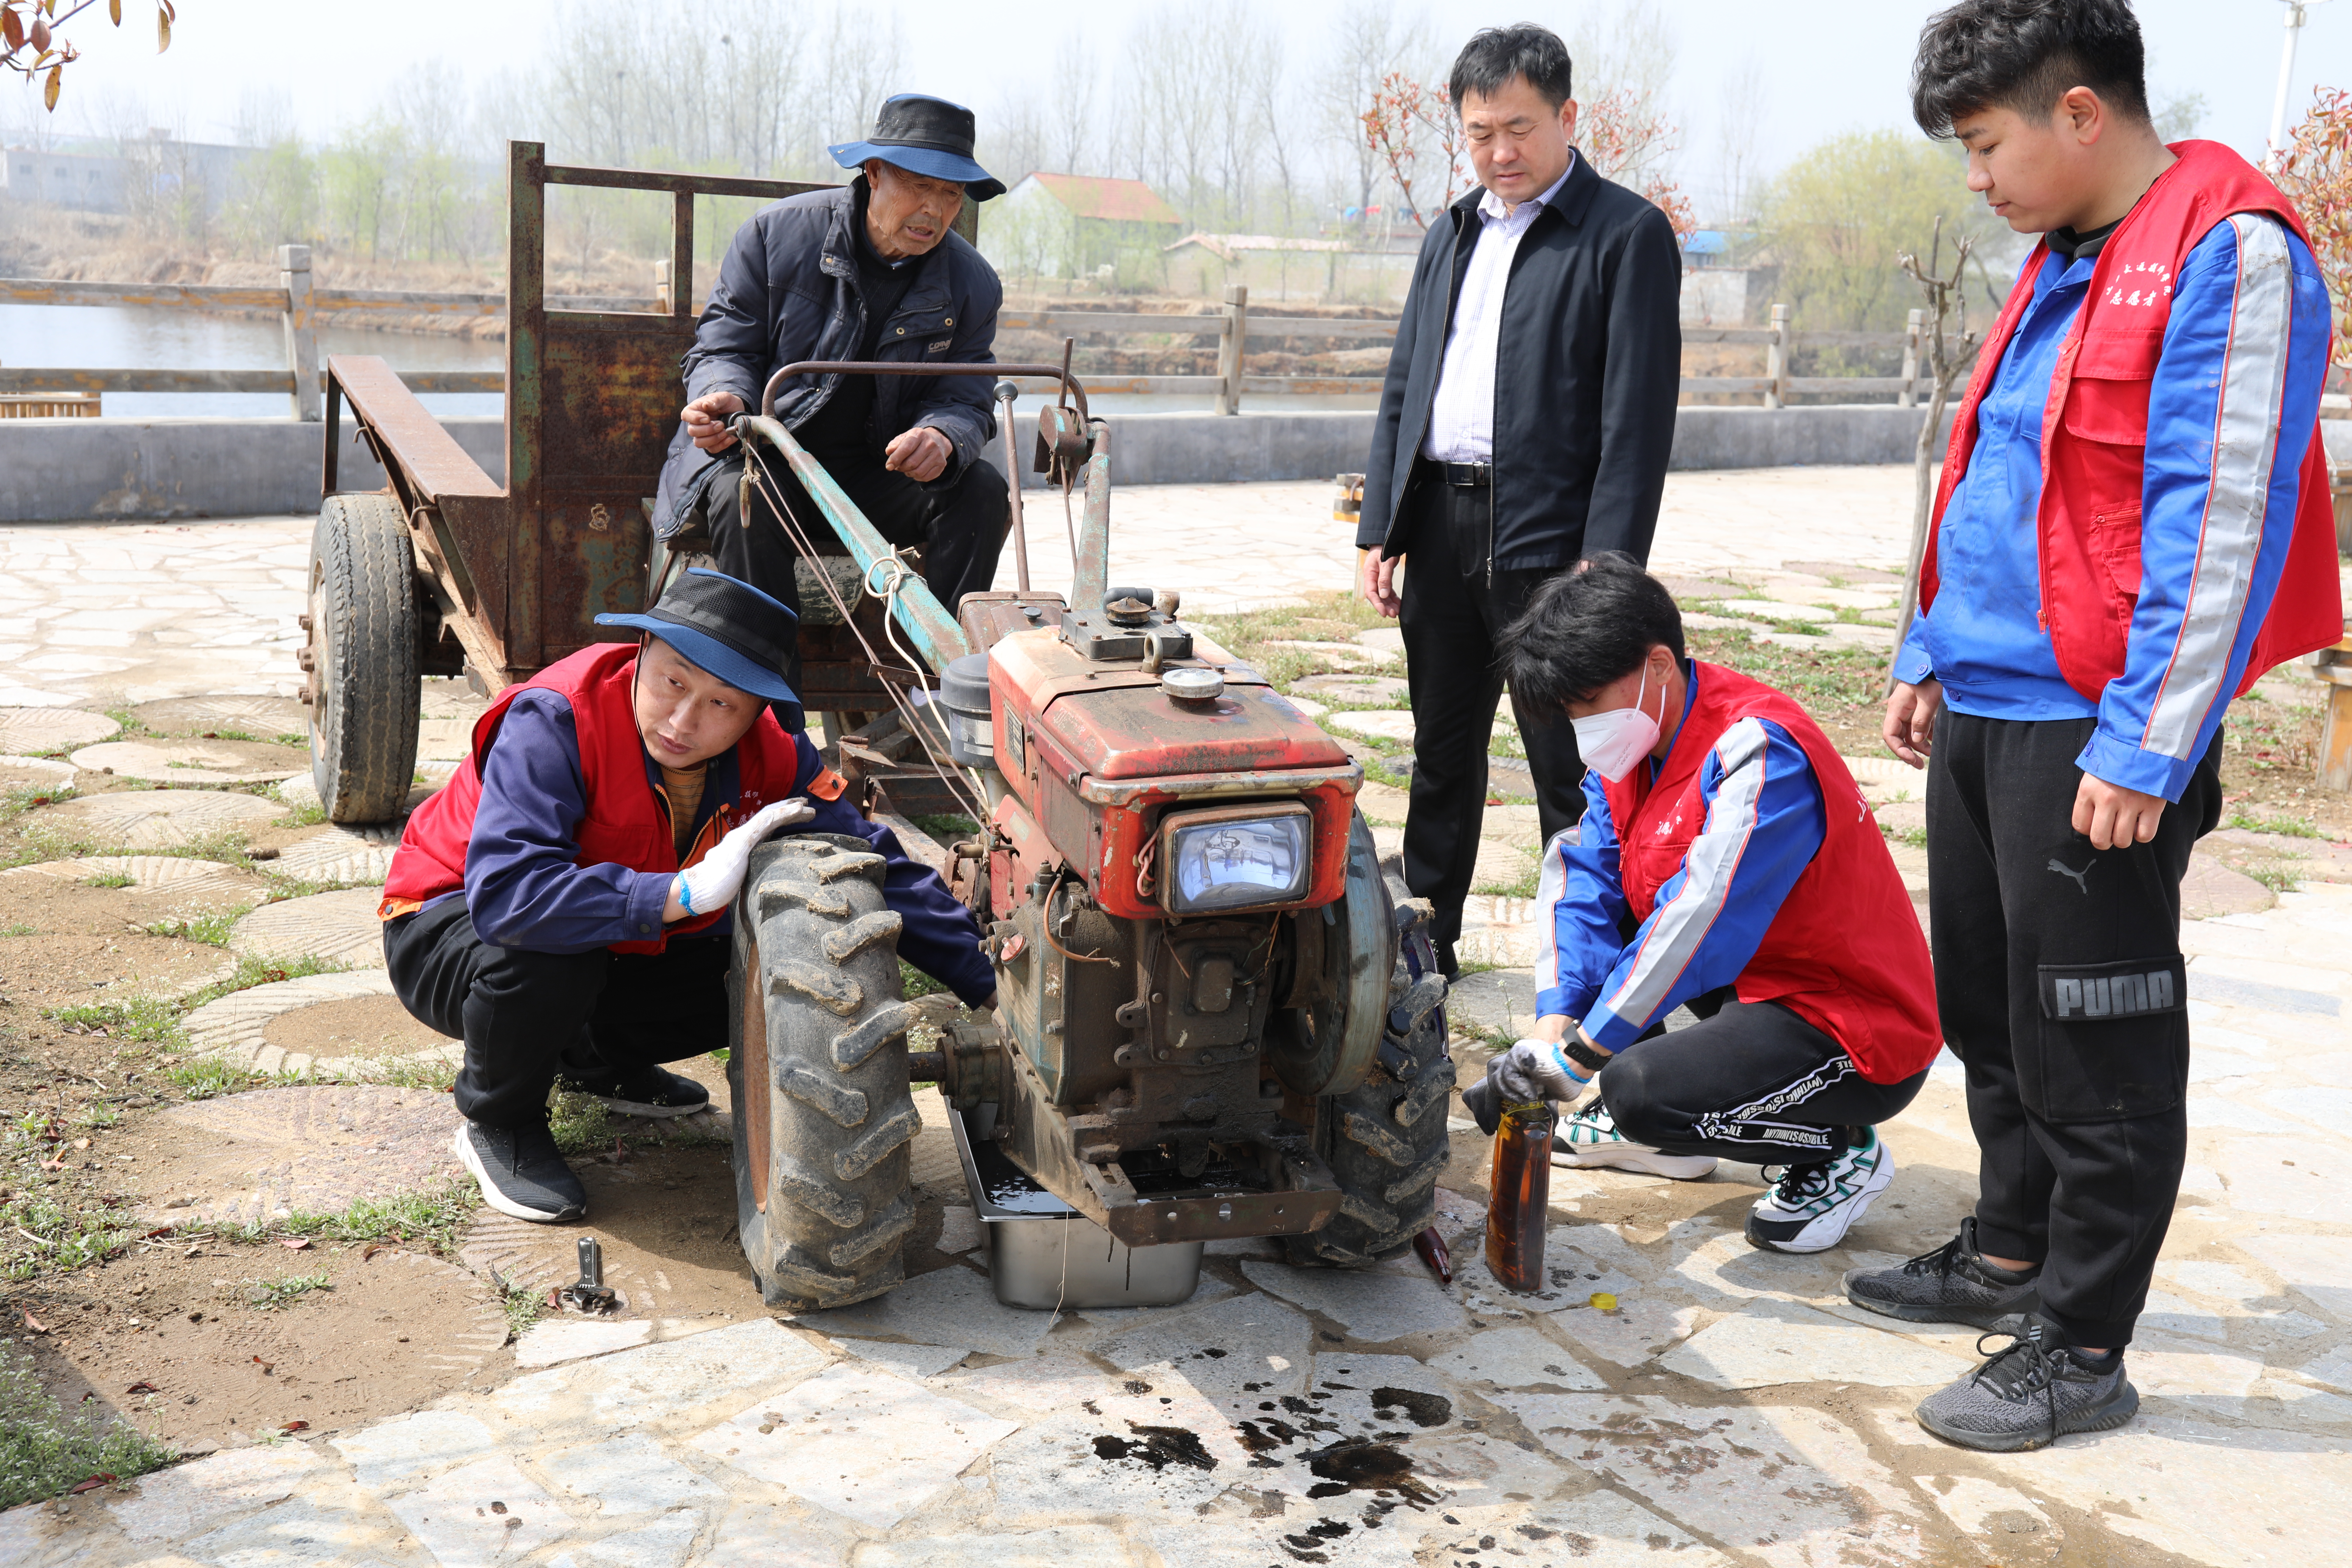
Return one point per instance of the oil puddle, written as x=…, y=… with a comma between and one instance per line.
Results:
x=1359, y=1464
x=1157, y=1447
x=1420, y=1409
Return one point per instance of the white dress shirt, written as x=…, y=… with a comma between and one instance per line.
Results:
x=1462, y=416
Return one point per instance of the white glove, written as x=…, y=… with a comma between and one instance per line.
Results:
x=710, y=884
x=1535, y=1069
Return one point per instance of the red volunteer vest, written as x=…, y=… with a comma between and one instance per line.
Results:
x=628, y=819
x=2094, y=434
x=1845, y=951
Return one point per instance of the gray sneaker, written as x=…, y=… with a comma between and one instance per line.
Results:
x=2030, y=1396
x=1953, y=1284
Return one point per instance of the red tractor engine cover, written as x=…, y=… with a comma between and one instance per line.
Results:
x=1095, y=755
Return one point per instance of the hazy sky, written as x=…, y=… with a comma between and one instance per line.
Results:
x=1828, y=65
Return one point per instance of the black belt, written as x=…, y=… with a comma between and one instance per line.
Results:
x=1468, y=476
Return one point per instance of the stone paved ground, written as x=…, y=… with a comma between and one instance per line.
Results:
x=1675, y=1396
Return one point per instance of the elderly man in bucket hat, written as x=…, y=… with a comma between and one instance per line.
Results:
x=870, y=270
x=562, y=904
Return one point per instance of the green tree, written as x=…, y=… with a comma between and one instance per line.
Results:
x=1837, y=219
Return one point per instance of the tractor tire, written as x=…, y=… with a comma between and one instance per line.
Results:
x=817, y=1066
x=1385, y=1140
x=363, y=658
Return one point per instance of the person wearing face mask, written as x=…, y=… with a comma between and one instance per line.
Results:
x=1725, y=862
x=563, y=904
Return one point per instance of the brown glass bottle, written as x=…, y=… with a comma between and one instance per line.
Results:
x=1521, y=1188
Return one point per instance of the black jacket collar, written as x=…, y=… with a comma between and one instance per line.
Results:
x=1574, y=200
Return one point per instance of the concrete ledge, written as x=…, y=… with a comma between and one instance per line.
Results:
x=63, y=470
x=71, y=471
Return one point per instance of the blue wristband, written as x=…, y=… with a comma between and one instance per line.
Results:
x=685, y=893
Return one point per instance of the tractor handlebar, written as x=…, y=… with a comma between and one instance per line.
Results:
x=888, y=367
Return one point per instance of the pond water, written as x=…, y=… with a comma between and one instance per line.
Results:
x=108, y=337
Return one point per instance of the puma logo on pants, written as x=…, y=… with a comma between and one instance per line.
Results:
x=2080, y=877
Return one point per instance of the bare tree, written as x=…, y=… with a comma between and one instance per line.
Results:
x=1949, y=359
x=1739, y=122
x=1073, y=147
x=1368, y=43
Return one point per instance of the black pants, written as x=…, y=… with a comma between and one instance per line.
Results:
x=1751, y=1081
x=527, y=1016
x=961, y=527
x=2059, y=975
x=1453, y=613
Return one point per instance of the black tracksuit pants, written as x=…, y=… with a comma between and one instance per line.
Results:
x=2059, y=974
x=961, y=527
x=1750, y=1080
x=527, y=1016
x=1453, y=613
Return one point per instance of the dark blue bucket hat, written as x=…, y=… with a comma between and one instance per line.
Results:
x=924, y=136
x=727, y=628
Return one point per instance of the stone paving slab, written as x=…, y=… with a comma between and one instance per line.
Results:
x=146, y=873
x=267, y=1153
x=31, y=730
x=340, y=926
x=160, y=818
x=182, y=763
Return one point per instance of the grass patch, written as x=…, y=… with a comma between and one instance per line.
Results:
x=112, y=879
x=1917, y=838
x=915, y=983
x=435, y=1217
x=523, y=1307
x=212, y=929
x=2279, y=876
x=230, y=735
x=208, y=1077
x=2258, y=822
x=276, y=1295
x=581, y=1123
x=42, y=1451
x=946, y=827
x=294, y=738
x=19, y=929
x=302, y=812
x=57, y=1237
x=156, y=1019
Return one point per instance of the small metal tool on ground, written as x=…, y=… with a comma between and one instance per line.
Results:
x=589, y=1293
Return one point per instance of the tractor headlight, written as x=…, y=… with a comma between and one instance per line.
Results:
x=1238, y=858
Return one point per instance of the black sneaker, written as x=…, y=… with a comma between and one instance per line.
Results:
x=1953, y=1284
x=2031, y=1395
x=520, y=1173
x=646, y=1091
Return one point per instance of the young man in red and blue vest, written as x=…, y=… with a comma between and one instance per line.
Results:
x=1725, y=862
x=2133, y=525
x=562, y=904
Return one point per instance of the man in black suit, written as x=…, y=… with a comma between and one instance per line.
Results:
x=1525, y=426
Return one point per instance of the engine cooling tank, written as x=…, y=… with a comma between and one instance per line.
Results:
x=971, y=725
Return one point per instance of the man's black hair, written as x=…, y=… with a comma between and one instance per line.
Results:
x=2026, y=55
x=1585, y=628
x=1495, y=54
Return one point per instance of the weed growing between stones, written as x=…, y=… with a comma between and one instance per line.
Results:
x=212, y=929
x=2263, y=822
x=156, y=1020
x=523, y=1307
x=305, y=811
x=2278, y=874
x=19, y=930
x=112, y=879
x=581, y=1123
x=43, y=1453
x=275, y=1295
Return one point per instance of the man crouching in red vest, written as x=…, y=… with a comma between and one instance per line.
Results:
x=1725, y=862
x=2133, y=525
x=562, y=903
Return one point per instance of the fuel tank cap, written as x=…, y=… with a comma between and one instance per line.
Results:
x=1193, y=685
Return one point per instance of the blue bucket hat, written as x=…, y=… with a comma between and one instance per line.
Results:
x=727, y=628
x=926, y=136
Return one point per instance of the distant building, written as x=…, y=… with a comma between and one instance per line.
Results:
x=1275, y=266
x=144, y=173
x=1075, y=225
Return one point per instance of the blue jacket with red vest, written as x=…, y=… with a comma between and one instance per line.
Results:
x=557, y=834
x=2133, y=520
x=1750, y=858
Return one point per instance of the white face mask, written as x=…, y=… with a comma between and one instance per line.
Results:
x=1611, y=743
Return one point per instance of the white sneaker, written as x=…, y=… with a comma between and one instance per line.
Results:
x=1808, y=1208
x=1590, y=1138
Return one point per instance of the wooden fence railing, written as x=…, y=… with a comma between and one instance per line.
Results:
x=1237, y=329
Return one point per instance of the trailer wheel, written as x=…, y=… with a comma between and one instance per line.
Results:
x=362, y=658
x=1385, y=1140
x=818, y=1072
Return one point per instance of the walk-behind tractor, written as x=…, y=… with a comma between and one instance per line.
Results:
x=1214, y=1020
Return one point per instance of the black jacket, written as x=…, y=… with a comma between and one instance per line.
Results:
x=788, y=291
x=1587, y=371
